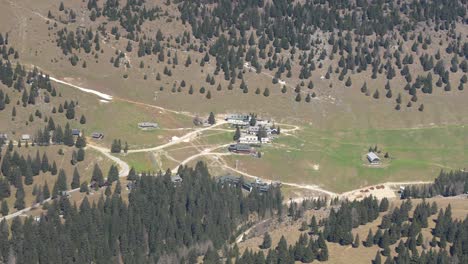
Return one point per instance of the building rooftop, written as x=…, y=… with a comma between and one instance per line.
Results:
x=372, y=157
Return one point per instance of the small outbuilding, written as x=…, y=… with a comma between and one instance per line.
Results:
x=147, y=125
x=373, y=158
x=76, y=132
x=97, y=135
x=240, y=148
x=176, y=179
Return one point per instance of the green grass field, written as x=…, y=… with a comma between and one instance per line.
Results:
x=415, y=154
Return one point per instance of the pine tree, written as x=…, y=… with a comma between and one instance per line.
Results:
x=377, y=259
x=80, y=156
x=82, y=120
x=97, y=176
x=53, y=170
x=84, y=187
x=4, y=208
x=298, y=97
x=237, y=134
x=61, y=184
x=266, y=244
x=113, y=174
x=46, y=191
x=118, y=187
x=28, y=174
x=313, y=226
x=68, y=136
x=369, y=240
x=211, y=119
x=132, y=174
x=19, y=202
x=76, y=179
x=356, y=242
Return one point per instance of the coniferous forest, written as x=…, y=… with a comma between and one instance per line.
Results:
x=160, y=219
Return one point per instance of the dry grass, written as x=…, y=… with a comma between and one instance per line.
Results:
x=347, y=254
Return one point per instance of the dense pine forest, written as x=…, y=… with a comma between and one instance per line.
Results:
x=451, y=183
x=160, y=221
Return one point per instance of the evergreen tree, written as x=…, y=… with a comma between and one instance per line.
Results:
x=76, y=179
x=97, y=176
x=113, y=174
x=237, y=134
x=19, y=202
x=266, y=244
x=356, y=242
x=211, y=119
x=369, y=240
x=46, y=191
x=4, y=208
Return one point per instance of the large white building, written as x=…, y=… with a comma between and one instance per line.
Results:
x=248, y=139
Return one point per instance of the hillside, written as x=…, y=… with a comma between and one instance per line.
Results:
x=272, y=110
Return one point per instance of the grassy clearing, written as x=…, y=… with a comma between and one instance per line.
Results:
x=141, y=161
x=415, y=154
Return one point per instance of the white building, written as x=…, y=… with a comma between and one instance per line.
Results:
x=147, y=125
x=373, y=158
x=248, y=139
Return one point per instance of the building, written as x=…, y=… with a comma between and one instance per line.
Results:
x=229, y=180
x=248, y=139
x=76, y=132
x=253, y=130
x=240, y=148
x=258, y=184
x=238, y=119
x=176, y=179
x=373, y=158
x=97, y=135
x=265, y=140
x=263, y=122
x=147, y=125
x=3, y=136
x=25, y=137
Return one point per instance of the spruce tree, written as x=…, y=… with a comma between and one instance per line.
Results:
x=369, y=240
x=76, y=179
x=4, y=210
x=97, y=176
x=211, y=119
x=266, y=244
x=237, y=134
x=356, y=242
x=113, y=174
x=46, y=191
x=19, y=202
